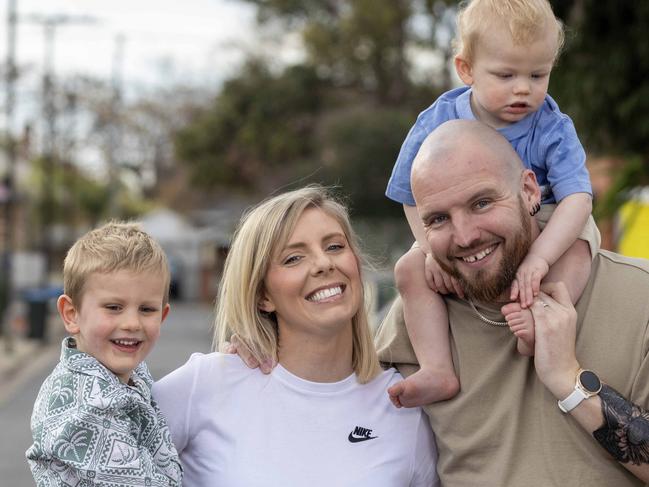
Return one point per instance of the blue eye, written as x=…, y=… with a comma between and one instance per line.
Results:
x=335, y=247
x=292, y=259
x=482, y=204
x=438, y=220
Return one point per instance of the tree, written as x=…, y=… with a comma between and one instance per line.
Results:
x=356, y=43
x=601, y=81
x=258, y=133
x=337, y=117
x=358, y=149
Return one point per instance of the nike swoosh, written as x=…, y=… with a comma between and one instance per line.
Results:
x=357, y=439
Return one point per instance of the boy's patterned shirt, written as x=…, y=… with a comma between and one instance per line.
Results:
x=90, y=429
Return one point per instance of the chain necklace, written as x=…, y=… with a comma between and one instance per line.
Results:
x=486, y=320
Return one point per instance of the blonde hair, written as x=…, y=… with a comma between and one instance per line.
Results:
x=526, y=21
x=261, y=233
x=112, y=247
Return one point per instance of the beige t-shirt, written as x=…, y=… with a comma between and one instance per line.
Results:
x=504, y=427
x=590, y=232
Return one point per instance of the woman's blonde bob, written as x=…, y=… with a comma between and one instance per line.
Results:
x=261, y=233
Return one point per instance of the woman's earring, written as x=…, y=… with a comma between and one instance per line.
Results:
x=535, y=209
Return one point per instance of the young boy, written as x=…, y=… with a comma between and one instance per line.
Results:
x=506, y=51
x=94, y=421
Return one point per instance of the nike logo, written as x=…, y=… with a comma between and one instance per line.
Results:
x=360, y=434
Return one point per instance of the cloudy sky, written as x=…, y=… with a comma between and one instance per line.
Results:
x=188, y=40
x=166, y=42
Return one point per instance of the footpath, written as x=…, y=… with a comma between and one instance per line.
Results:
x=20, y=357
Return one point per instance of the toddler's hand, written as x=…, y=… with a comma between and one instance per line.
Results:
x=439, y=280
x=527, y=283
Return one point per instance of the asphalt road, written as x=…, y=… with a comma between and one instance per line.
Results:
x=187, y=330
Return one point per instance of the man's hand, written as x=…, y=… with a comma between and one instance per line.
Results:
x=527, y=284
x=555, y=322
x=236, y=346
x=439, y=280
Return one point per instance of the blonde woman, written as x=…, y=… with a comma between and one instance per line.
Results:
x=292, y=290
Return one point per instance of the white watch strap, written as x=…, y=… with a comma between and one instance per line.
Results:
x=573, y=400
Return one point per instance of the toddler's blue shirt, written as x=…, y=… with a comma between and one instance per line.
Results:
x=546, y=142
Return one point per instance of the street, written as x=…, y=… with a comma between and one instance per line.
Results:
x=187, y=330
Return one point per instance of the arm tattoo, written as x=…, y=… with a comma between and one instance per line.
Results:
x=625, y=433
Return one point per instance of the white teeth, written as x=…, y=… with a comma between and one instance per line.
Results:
x=126, y=342
x=325, y=293
x=479, y=256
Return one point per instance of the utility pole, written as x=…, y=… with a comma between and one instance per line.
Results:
x=114, y=125
x=50, y=23
x=6, y=283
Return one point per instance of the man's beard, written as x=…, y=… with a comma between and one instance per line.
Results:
x=479, y=286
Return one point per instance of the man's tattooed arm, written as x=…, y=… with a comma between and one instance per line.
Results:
x=625, y=433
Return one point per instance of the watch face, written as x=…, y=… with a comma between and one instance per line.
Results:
x=590, y=381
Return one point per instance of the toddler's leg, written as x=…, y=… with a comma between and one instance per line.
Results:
x=426, y=319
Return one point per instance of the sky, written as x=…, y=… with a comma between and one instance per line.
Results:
x=165, y=43
x=196, y=41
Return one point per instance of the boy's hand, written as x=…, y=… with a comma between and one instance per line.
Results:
x=527, y=284
x=439, y=280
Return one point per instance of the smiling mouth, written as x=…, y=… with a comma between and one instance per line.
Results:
x=324, y=294
x=478, y=256
x=126, y=343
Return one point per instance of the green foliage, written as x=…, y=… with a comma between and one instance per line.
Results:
x=260, y=125
x=356, y=43
x=71, y=196
x=633, y=173
x=3, y=297
x=338, y=118
x=91, y=196
x=267, y=131
x=359, y=149
x=601, y=81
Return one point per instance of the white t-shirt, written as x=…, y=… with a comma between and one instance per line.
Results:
x=238, y=427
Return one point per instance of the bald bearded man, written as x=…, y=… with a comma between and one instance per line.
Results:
x=553, y=419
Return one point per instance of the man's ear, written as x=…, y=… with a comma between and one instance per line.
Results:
x=464, y=70
x=530, y=189
x=69, y=313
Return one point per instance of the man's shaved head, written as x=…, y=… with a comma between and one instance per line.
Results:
x=443, y=145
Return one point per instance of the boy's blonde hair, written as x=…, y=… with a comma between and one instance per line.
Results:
x=262, y=232
x=526, y=21
x=113, y=247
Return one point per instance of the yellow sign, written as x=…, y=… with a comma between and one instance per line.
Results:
x=634, y=229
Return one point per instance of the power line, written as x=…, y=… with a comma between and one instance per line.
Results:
x=6, y=283
x=50, y=24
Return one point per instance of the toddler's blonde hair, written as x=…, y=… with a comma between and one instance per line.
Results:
x=526, y=21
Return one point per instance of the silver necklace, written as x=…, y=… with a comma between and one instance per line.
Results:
x=485, y=319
